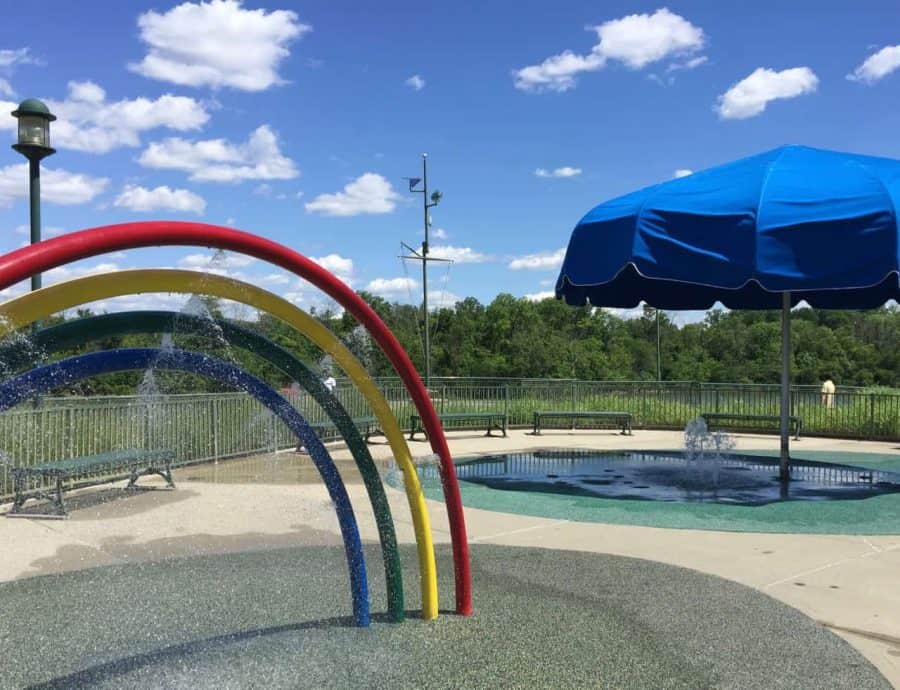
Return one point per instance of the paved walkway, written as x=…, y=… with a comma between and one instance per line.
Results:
x=848, y=583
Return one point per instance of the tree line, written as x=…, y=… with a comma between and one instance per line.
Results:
x=515, y=337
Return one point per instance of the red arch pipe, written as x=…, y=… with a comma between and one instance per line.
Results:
x=23, y=263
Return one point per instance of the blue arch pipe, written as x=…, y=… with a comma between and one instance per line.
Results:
x=44, y=379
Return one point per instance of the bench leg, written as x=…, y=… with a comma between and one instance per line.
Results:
x=53, y=496
x=165, y=473
x=60, y=506
x=20, y=498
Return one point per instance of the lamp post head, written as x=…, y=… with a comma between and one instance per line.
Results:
x=34, y=129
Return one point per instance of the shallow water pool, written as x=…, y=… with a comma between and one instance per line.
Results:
x=673, y=477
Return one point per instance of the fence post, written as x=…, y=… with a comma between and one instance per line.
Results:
x=506, y=401
x=717, y=400
x=871, y=415
x=70, y=430
x=273, y=431
x=214, y=422
x=443, y=399
x=574, y=395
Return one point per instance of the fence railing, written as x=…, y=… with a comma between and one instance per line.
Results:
x=208, y=427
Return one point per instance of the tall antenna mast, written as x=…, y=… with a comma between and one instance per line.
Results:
x=427, y=203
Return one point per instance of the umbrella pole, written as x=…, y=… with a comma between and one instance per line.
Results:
x=785, y=456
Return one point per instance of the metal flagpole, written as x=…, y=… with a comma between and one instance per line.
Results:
x=785, y=456
x=425, y=272
x=423, y=257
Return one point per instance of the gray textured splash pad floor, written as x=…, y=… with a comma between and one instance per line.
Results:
x=278, y=619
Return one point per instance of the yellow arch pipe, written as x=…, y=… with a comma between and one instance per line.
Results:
x=35, y=306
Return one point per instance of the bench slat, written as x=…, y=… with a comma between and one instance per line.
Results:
x=622, y=419
x=719, y=417
x=498, y=420
x=116, y=458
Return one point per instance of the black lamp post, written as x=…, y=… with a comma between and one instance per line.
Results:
x=34, y=143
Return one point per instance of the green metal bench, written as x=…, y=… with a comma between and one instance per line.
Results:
x=31, y=482
x=720, y=419
x=368, y=427
x=492, y=420
x=543, y=419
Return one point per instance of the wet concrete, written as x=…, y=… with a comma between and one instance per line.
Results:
x=279, y=619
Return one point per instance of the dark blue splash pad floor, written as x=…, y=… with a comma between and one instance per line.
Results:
x=543, y=619
x=671, y=476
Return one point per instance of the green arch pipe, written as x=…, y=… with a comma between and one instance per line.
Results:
x=19, y=354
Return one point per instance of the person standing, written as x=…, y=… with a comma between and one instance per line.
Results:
x=828, y=392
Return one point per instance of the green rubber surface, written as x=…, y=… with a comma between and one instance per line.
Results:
x=877, y=515
x=543, y=619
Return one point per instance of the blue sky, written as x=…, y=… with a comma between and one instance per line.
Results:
x=300, y=120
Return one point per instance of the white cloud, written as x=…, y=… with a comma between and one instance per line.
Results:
x=216, y=259
x=460, y=255
x=341, y=266
x=442, y=299
x=639, y=39
x=556, y=73
x=276, y=279
x=636, y=41
x=542, y=261
x=440, y=234
x=220, y=263
x=749, y=97
x=877, y=66
x=55, y=275
x=391, y=287
x=46, y=231
x=18, y=56
x=264, y=190
x=415, y=82
x=682, y=172
x=88, y=122
x=564, y=171
x=57, y=186
x=6, y=89
x=540, y=296
x=369, y=193
x=217, y=44
x=142, y=199
x=218, y=160
x=688, y=64
x=626, y=314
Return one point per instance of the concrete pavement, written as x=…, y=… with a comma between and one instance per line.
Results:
x=846, y=582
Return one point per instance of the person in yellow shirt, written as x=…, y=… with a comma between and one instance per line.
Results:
x=828, y=392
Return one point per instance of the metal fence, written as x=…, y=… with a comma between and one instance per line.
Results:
x=201, y=428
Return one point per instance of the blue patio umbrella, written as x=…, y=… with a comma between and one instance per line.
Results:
x=765, y=232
